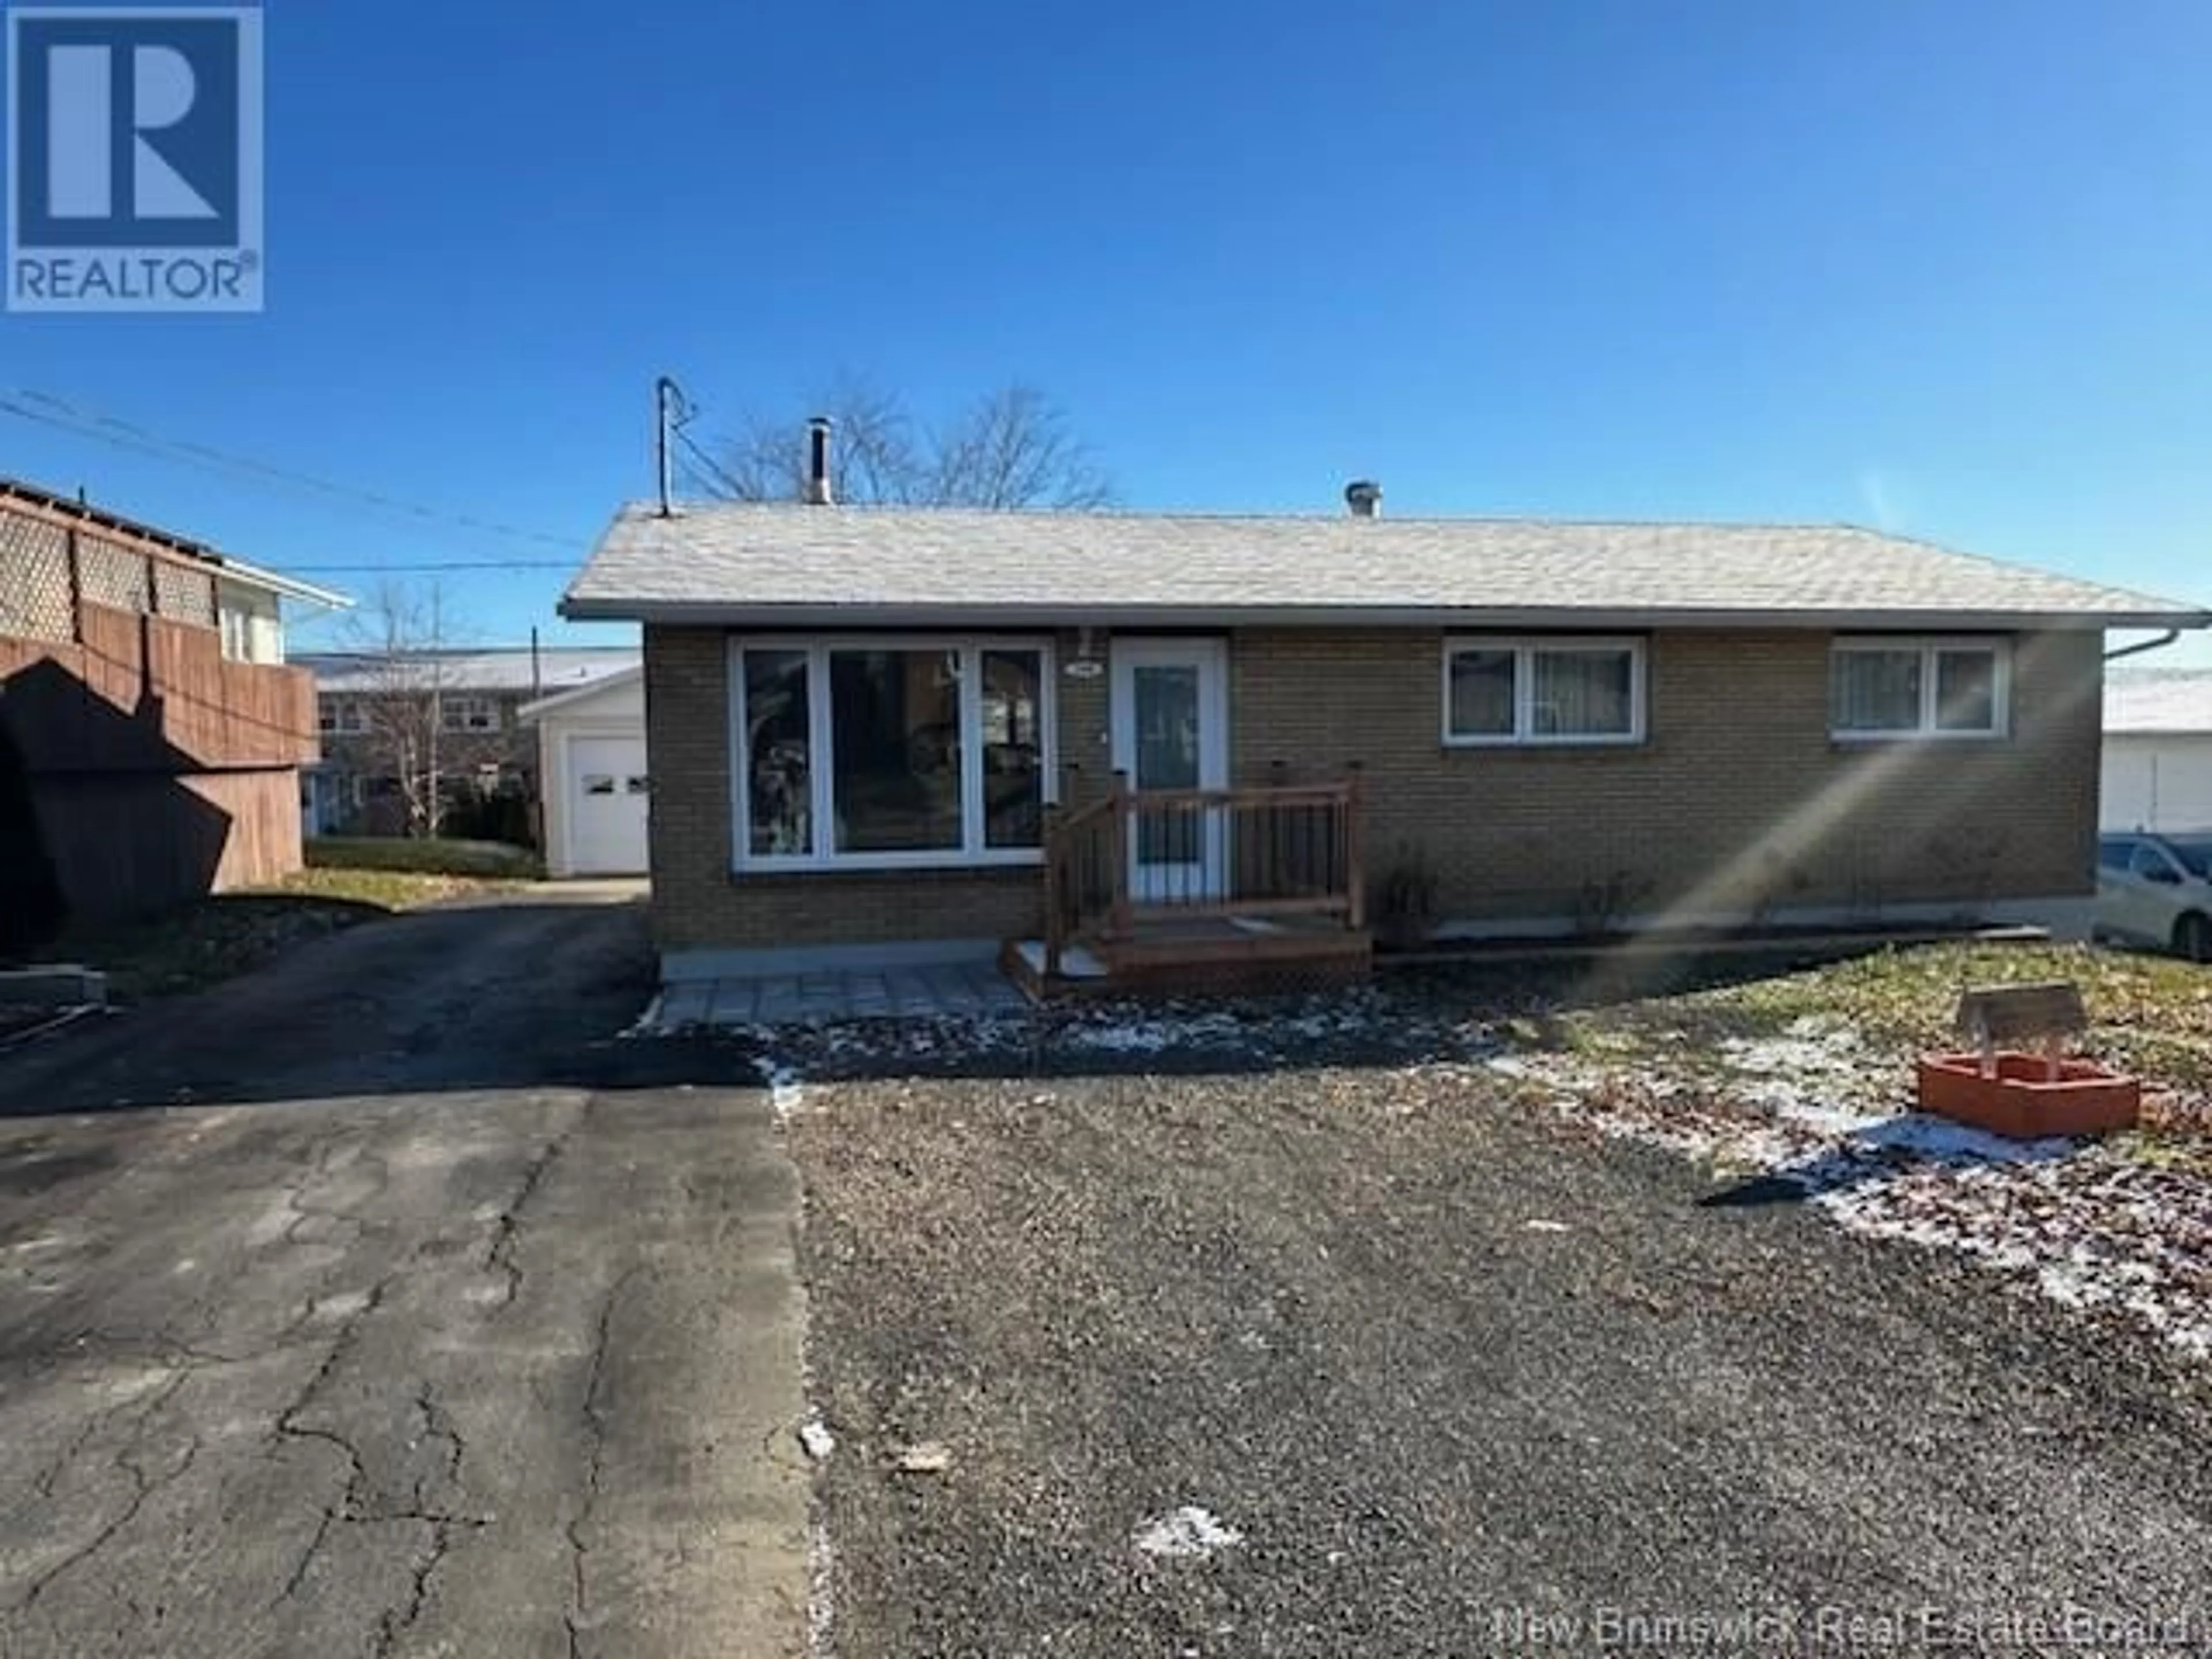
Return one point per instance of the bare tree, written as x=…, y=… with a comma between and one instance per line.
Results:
x=1011, y=448
x=397, y=637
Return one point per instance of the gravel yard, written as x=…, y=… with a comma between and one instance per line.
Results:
x=1376, y=1326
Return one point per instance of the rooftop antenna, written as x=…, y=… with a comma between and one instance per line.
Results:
x=671, y=410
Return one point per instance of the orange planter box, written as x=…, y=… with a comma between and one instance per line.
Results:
x=2022, y=1101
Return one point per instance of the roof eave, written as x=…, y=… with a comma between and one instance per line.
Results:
x=575, y=693
x=289, y=588
x=711, y=613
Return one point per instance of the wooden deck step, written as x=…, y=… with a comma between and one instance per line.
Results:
x=1211, y=955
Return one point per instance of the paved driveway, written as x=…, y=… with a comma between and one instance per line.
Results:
x=384, y=1302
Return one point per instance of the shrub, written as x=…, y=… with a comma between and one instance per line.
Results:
x=501, y=815
x=1403, y=900
x=426, y=857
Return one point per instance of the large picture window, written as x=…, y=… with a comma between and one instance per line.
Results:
x=890, y=753
x=1900, y=688
x=1534, y=691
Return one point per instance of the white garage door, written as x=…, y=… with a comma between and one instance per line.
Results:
x=608, y=792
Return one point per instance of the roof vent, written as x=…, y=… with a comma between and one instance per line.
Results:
x=818, y=493
x=1364, y=497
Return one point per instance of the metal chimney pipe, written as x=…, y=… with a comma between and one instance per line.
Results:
x=818, y=492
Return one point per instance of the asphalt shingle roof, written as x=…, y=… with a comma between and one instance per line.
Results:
x=2159, y=700
x=509, y=670
x=823, y=565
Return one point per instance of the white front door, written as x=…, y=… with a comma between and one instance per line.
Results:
x=1170, y=731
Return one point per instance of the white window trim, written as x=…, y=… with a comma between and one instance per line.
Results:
x=1928, y=644
x=1524, y=734
x=972, y=855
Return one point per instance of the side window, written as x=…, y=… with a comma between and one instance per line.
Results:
x=2154, y=865
x=2114, y=853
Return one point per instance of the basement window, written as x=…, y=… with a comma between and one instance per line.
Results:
x=1913, y=687
x=1530, y=692
x=890, y=753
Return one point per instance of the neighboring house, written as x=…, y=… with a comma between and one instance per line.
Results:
x=869, y=726
x=596, y=783
x=152, y=735
x=400, y=730
x=2158, y=750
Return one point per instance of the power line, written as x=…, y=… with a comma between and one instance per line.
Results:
x=706, y=468
x=45, y=410
x=447, y=564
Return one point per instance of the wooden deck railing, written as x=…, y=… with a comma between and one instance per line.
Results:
x=1152, y=855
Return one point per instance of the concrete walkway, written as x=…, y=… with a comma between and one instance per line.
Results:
x=939, y=991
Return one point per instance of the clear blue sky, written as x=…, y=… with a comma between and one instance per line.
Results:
x=1941, y=267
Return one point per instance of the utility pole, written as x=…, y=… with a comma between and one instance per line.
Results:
x=437, y=706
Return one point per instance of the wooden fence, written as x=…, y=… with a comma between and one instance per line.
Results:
x=157, y=770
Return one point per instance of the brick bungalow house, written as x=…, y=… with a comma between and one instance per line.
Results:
x=1129, y=740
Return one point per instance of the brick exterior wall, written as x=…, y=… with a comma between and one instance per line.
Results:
x=698, y=904
x=1738, y=802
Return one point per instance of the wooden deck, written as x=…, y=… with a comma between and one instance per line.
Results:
x=1280, y=905
x=1218, y=956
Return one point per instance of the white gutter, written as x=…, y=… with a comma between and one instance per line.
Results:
x=702, y=613
x=290, y=588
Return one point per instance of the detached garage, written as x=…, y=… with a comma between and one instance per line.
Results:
x=2158, y=751
x=596, y=789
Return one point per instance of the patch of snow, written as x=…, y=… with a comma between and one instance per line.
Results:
x=1146, y=1037
x=1940, y=1138
x=2079, y=1223
x=821, y=1608
x=930, y=1457
x=1189, y=1533
x=785, y=1090
x=830, y=1047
